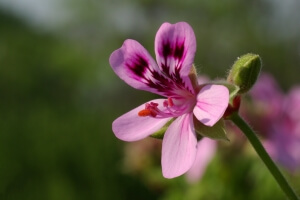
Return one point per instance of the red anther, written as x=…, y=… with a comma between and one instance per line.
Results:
x=147, y=112
x=144, y=113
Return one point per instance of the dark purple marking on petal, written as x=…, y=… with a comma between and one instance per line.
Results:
x=178, y=53
x=138, y=66
x=161, y=83
x=170, y=81
x=177, y=78
x=171, y=51
x=165, y=68
x=166, y=49
x=166, y=52
x=166, y=83
x=175, y=51
x=169, y=86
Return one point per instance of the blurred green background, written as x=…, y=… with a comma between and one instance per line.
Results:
x=59, y=96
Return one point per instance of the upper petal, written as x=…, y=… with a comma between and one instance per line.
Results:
x=132, y=127
x=212, y=101
x=133, y=64
x=179, y=147
x=175, y=48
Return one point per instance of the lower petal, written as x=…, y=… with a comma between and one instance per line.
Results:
x=132, y=127
x=206, y=149
x=212, y=101
x=179, y=147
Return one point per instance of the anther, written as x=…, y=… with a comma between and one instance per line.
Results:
x=147, y=112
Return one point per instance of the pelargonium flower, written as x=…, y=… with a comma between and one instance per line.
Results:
x=268, y=100
x=268, y=96
x=184, y=100
x=278, y=120
x=283, y=144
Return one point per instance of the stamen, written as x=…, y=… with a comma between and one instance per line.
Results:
x=170, y=101
x=147, y=112
x=165, y=104
x=144, y=113
x=171, y=110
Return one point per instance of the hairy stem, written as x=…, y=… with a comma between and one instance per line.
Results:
x=249, y=133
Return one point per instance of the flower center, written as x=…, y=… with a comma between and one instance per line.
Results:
x=169, y=109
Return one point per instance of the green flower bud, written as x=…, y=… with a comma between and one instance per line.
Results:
x=245, y=71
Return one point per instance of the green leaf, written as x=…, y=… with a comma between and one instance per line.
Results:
x=215, y=132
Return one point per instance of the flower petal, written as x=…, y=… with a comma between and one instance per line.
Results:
x=206, y=149
x=175, y=48
x=133, y=64
x=132, y=127
x=179, y=147
x=212, y=101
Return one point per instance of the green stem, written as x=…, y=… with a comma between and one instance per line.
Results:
x=246, y=129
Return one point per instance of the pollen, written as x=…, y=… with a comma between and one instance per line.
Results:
x=147, y=112
x=144, y=113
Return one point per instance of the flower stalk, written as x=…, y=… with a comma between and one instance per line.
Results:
x=255, y=142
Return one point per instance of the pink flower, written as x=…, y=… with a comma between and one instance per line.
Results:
x=278, y=119
x=175, y=47
x=267, y=104
x=284, y=142
x=206, y=150
x=292, y=105
x=284, y=146
x=268, y=97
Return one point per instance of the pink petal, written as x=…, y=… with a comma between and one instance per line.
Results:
x=212, y=101
x=133, y=64
x=266, y=92
x=132, y=127
x=283, y=145
x=292, y=104
x=179, y=147
x=206, y=149
x=175, y=47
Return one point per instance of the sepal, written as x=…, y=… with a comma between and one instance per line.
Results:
x=216, y=132
x=161, y=132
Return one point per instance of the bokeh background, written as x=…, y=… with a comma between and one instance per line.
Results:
x=59, y=96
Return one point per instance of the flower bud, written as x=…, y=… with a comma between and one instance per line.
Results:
x=245, y=71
